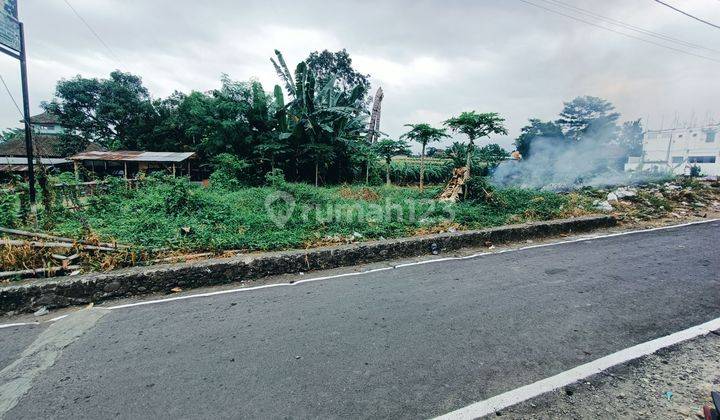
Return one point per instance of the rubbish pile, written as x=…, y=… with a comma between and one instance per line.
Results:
x=678, y=199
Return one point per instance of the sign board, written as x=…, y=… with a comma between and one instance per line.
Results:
x=9, y=25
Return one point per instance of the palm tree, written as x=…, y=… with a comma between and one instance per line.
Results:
x=388, y=148
x=424, y=134
x=476, y=126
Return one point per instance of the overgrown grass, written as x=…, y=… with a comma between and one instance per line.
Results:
x=155, y=214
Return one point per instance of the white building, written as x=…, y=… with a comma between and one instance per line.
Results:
x=677, y=150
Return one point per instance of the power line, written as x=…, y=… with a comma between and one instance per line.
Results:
x=618, y=32
x=92, y=30
x=12, y=98
x=38, y=148
x=628, y=26
x=688, y=14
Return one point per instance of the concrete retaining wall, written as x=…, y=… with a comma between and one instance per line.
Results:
x=95, y=287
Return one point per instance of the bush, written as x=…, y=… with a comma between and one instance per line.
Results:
x=695, y=171
x=478, y=188
x=9, y=208
x=230, y=172
x=275, y=178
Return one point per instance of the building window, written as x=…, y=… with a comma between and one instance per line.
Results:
x=710, y=137
x=678, y=159
x=701, y=159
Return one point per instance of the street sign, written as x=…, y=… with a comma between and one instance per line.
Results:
x=9, y=25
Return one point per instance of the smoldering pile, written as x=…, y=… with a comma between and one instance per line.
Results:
x=560, y=165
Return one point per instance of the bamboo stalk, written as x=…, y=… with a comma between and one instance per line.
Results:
x=68, y=245
x=36, y=271
x=181, y=257
x=57, y=238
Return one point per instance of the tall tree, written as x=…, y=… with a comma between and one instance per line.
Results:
x=536, y=129
x=114, y=112
x=324, y=119
x=588, y=116
x=424, y=133
x=388, y=148
x=631, y=137
x=338, y=66
x=476, y=126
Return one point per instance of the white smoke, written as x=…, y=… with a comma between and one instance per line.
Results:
x=562, y=165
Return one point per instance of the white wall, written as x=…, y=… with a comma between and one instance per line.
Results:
x=678, y=149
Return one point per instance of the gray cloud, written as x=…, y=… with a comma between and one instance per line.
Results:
x=433, y=58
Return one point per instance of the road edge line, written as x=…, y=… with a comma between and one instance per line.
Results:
x=358, y=273
x=526, y=392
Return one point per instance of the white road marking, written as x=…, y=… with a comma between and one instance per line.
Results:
x=19, y=324
x=45, y=350
x=524, y=393
x=16, y=379
x=358, y=273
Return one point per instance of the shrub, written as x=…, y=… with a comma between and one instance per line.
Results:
x=695, y=171
x=9, y=208
x=230, y=172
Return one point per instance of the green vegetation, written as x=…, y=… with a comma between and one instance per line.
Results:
x=423, y=134
x=476, y=126
x=165, y=212
x=583, y=118
x=387, y=149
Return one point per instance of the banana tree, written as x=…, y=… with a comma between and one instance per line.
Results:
x=320, y=120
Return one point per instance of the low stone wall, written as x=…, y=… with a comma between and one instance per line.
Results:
x=95, y=287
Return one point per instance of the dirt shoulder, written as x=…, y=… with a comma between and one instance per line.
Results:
x=673, y=383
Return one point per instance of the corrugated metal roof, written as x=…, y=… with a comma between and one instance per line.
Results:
x=134, y=156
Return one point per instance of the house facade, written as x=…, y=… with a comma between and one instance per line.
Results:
x=677, y=150
x=47, y=147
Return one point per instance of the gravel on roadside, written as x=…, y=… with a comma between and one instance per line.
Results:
x=673, y=383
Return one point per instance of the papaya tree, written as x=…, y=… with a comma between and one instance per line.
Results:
x=388, y=148
x=424, y=134
x=476, y=126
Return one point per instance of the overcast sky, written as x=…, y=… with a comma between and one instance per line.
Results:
x=433, y=59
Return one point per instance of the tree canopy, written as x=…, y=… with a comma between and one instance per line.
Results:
x=389, y=148
x=476, y=125
x=537, y=129
x=337, y=65
x=424, y=133
x=587, y=116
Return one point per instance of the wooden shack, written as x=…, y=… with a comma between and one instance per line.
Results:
x=128, y=163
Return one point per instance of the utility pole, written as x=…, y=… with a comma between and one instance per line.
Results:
x=12, y=43
x=29, y=150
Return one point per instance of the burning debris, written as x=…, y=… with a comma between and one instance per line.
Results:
x=556, y=165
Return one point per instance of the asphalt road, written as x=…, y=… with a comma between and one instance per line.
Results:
x=411, y=342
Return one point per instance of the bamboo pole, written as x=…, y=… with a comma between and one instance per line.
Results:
x=68, y=245
x=58, y=238
x=36, y=271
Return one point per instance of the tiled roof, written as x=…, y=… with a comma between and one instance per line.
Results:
x=45, y=118
x=44, y=145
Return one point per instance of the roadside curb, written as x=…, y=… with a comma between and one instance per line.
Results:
x=28, y=296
